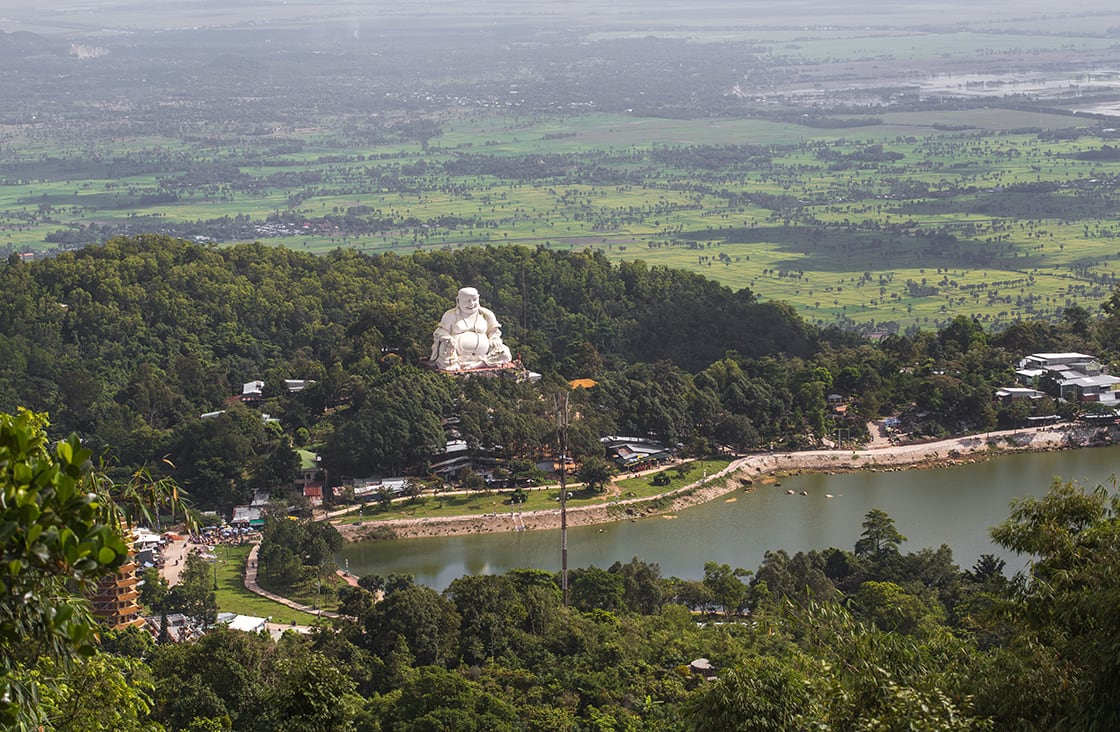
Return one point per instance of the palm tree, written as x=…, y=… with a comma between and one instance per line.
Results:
x=141, y=499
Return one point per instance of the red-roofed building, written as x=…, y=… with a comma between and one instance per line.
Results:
x=314, y=493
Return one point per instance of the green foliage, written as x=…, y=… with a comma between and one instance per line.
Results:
x=920, y=643
x=866, y=678
x=142, y=499
x=155, y=590
x=592, y=588
x=426, y=623
x=58, y=532
x=254, y=683
x=103, y=692
x=131, y=642
x=890, y=608
x=828, y=645
x=279, y=564
x=595, y=472
x=762, y=694
x=191, y=323
x=880, y=539
x=294, y=549
x=491, y=614
x=643, y=589
x=222, y=459
x=908, y=708
x=801, y=579
x=308, y=691
x=1073, y=538
x=725, y=587
x=194, y=322
x=392, y=423
x=194, y=593
x=436, y=699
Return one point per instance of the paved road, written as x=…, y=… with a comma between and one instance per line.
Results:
x=174, y=561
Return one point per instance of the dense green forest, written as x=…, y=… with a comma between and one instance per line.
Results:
x=129, y=344
x=942, y=166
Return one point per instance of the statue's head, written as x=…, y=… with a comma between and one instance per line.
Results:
x=467, y=300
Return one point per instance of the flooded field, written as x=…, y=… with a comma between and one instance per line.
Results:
x=1033, y=83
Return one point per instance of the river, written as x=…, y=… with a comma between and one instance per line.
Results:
x=953, y=505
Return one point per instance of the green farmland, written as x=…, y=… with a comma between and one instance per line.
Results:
x=910, y=218
x=880, y=167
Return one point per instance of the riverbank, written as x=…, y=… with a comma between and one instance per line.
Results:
x=747, y=473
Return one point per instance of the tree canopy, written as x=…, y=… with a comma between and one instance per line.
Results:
x=59, y=533
x=871, y=638
x=129, y=345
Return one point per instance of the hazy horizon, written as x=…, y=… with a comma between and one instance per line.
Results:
x=83, y=18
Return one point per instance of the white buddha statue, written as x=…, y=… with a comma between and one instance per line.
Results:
x=468, y=336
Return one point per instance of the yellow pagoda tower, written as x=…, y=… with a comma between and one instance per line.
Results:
x=115, y=602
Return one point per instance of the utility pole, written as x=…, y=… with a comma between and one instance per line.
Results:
x=562, y=430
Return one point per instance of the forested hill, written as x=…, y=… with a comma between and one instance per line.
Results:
x=129, y=344
x=247, y=308
x=152, y=330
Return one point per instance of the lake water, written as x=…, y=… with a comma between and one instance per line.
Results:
x=953, y=505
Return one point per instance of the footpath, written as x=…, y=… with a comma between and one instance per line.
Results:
x=252, y=586
x=175, y=554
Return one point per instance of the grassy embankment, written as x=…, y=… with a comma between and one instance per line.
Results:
x=233, y=597
x=547, y=498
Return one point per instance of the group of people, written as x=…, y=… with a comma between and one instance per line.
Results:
x=212, y=536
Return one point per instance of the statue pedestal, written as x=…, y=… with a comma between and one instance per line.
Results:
x=510, y=369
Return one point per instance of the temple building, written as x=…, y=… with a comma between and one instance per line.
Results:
x=115, y=602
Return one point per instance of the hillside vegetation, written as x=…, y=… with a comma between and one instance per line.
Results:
x=130, y=343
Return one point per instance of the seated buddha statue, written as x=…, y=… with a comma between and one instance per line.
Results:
x=468, y=336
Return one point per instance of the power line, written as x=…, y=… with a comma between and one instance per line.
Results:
x=562, y=430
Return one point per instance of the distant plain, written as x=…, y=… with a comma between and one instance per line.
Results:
x=884, y=169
